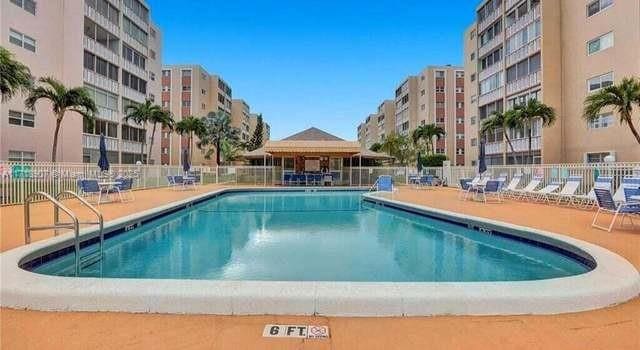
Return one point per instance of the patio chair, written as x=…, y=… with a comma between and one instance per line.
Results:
x=286, y=179
x=90, y=188
x=384, y=183
x=464, y=188
x=588, y=200
x=125, y=187
x=317, y=179
x=512, y=186
x=627, y=182
x=525, y=192
x=632, y=192
x=425, y=181
x=568, y=191
x=491, y=189
x=543, y=194
x=476, y=186
x=606, y=204
x=171, y=182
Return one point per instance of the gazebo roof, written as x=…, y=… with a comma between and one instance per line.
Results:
x=312, y=134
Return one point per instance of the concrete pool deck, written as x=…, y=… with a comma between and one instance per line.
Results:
x=615, y=327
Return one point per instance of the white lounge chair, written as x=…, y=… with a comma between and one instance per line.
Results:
x=528, y=190
x=568, y=191
x=512, y=186
x=542, y=195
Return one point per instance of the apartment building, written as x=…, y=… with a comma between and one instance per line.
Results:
x=110, y=47
x=557, y=52
x=241, y=118
x=378, y=125
x=441, y=102
x=406, y=100
x=471, y=96
x=189, y=90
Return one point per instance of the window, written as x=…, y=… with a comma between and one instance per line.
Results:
x=439, y=74
x=186, y=103
x=523, y=68
x=422, y=92
x=137, y=8
x=459, y=74
x=102, y=98
x=22, y=156
x=491, y=59
x=440, y=89
x=133, y=82
x=598, y=157
x=22, y=40
x=100, y=127
x=100, y=66
x=134, y=57
x=152, y=54
x=422, y=107
x=474, y=142
x=491, y=83
x=492, y=32
x=459, y=90
x=204, y=92
x=130, y=133
x=473, y=77
x=186, y=87
x=596, y=6
x=473, y=120
x=459, y=136
x=166, y=73
x=21, y=119
x=134, y=31
x=186, y=73
x=472, y=56
x=599, y=82
x=165, y=104
x=166, y=88
x=460, y=120
x=152, y=76
x=105, y=8
x=603, y=121
x=27, y=5
x=460, y=105
x=488, y=9
x=599, y=44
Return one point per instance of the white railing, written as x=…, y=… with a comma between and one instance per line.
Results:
x=523, y=21
x=131, y=146
x=511, y=3
x=101, y=20
x=108, y=114
x=523, y=52
x=100, y=50
x=134, y=17
x=524, y=83
x=489, y=20
x=98, y=80
x=519, y=145
x=493, y=69
x=491, y=96
x=486, y=48
x=550, y=173
x=494, y=147
x=93, y=142
x=133, y=95
x=135, y=44
x=132, y=68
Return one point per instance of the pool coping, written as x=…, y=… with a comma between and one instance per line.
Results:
x=614, y=280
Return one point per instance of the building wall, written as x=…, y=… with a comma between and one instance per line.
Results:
x=471, y=95
x=189, y=90
x=58, y=31
x=378, y=125
x=406, y=100
x=240, y=118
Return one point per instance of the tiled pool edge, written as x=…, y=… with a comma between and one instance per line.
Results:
x=613, y=281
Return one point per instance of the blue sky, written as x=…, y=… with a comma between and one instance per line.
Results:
x=313, y=63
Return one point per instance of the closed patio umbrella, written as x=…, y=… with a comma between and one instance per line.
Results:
x=185, y=161
x=103, y=162
x=482, y=162
x=419, y=163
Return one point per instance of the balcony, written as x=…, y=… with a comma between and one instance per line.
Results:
x=489, y=46
x=494, y=147
x=131, y=146
x=488, y=20
x=519, y=145
x=524, y=83
x=495, y=68
x=491, y=96
x=135, y=70
x=91, y=77
x=135, y=44
x=133, y=95
x=525, y=51
x=134, y=17
x=523, y=21
x=93, y=142
x=108, y=114
x=100, y=50
x=101, y=20
x=511, y=3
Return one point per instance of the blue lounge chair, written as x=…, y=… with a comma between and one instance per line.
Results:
x=426, y=180
x=286, y=179
x=384, y=183
x=627, y=182
x=492, y=188
x=125, y=186
x=89, y=188
x=317, y=179
x=589, y=200
x=606, y=204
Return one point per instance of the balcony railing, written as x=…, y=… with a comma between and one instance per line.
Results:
x=511, y=3
x=134, y=17
x=519, y=145
x=93, y=142
x=524, y=52
x=100, y=50
x=98, y=80
x=523, y=21
x=108, y=114
x=135, y=70
x=494, y=147
x=131, y=146
x=491, y=96
x=135, y=44
x=101, y=20
x=133, y=95
x=495, y=68
x=486, y=48
x=524, y=83
x=489, y=20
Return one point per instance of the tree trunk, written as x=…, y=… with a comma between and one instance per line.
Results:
x=54, y=151
x=513, y=152
x=218, y=152
x=530, y=149
x=633, y=129
x=153, y=134
x=191, y=148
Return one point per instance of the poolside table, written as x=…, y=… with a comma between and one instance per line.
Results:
x=107, y=187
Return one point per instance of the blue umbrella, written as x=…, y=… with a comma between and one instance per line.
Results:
x=185, y=161
x=419, y=163
x=482, y=162
x=103, y=162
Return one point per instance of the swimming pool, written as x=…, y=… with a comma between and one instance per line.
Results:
x=261, y=251
x=314, y=236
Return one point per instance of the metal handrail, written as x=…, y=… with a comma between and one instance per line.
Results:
x=84, y=202
x=75, y=225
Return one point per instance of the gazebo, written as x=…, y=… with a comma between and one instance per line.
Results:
x=314, y=151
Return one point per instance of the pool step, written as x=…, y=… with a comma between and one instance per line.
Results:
x=90, y=259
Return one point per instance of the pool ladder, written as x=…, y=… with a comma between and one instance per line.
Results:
x=74, y=225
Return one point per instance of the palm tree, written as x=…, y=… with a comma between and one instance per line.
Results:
x=400, y=147
x=524, y=116
x=62, y=100
x=621, y=97
x=218, y=129
x=428, y=133
x=165, y=119
x=190, y=126
x=376, y=147
x=14, y=76
x=499, y=120
x=141, y=114
x=229, y=151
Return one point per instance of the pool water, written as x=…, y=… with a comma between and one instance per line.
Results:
x=313, y=236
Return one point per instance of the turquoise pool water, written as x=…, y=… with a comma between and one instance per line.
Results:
x=313, y=236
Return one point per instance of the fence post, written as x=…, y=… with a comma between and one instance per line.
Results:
x=446, y=172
